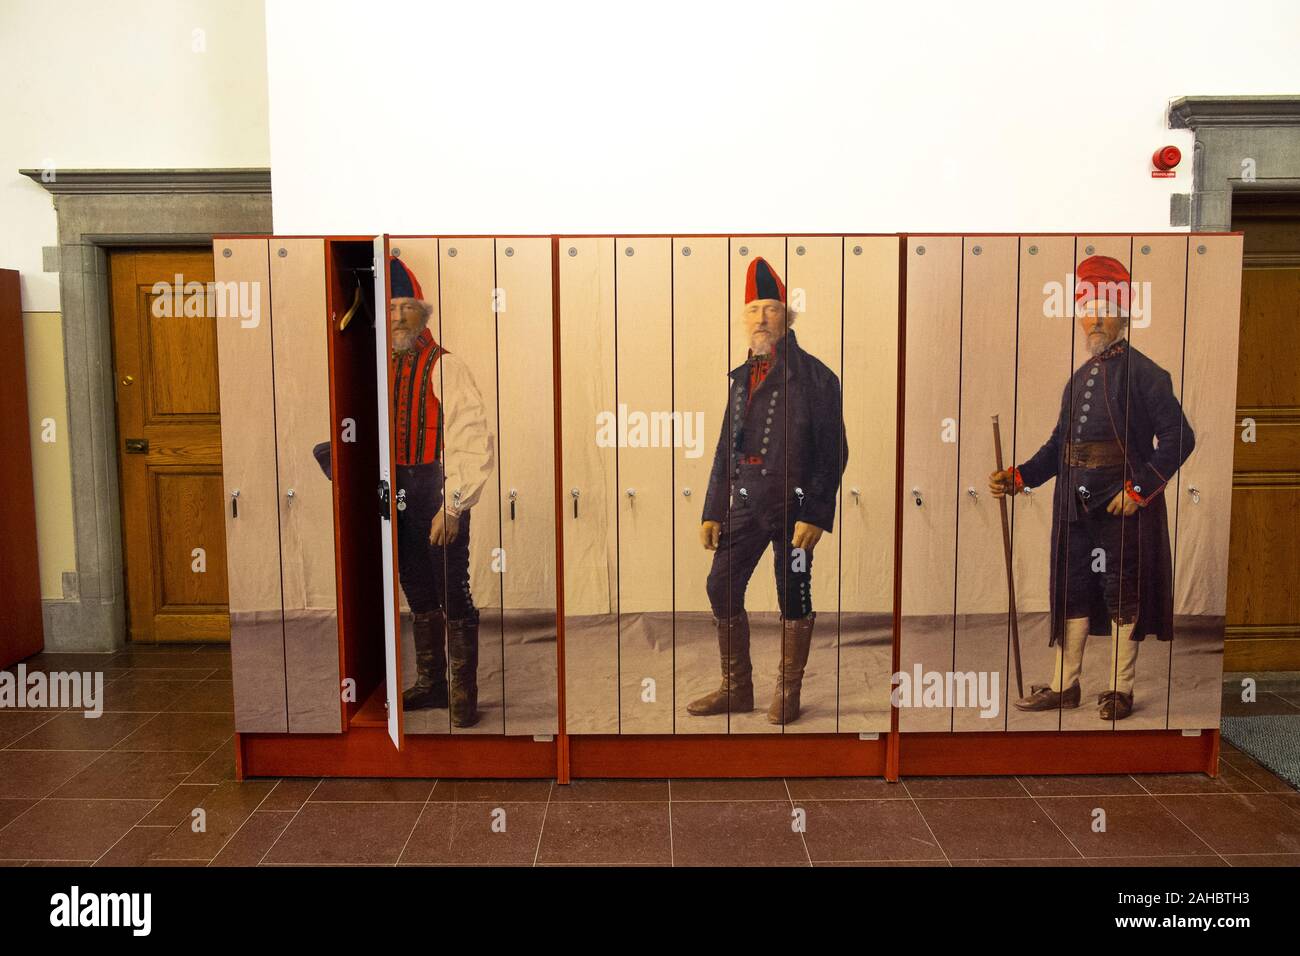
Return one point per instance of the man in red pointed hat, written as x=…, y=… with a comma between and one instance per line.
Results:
x=444, y=455
x=1121, y=436
x=774, y=483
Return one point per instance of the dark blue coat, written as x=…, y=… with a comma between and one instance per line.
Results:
x=794, y=423
x=1135, y=407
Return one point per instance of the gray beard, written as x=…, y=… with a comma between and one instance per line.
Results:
x=1098, y=344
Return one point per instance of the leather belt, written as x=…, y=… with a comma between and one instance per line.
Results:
x=1094, y=454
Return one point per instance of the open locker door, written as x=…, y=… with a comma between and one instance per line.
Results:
x=388, y=550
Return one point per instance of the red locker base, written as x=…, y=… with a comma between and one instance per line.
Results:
x=729, y=755
x=368, y=752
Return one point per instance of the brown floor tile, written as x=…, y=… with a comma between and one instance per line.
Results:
x=1264, y=859
x=181, y=732
x=609, y=833
x=74, y=731
x=126, y=776
x=881, y=864
x=136, y=848
x=1158, y=862
x=1005, y=828
x=932, y=788
x=37, y=773
x=844, y=788
x=225, y=810
x=1265, y=704
x=741, y=833
x=346, y=834
x=180, y=674
x=11, y=809
x=1239, y=823
x=217, y=768
x=1135, y=826
x=46, y=662
x=290, y=794
x=765, y=788
x=1256, y=773
x=213, y=696
x=1067, y=862
x=1095, y=785
x=255, y=837
x=176, y=808
x=597, y=791
x=502, y=791
x=70, y=829
x=15, y=725
x=862, y=830
x=132, y=694
x=184, y=658
x=1229, y=780
x=376, y=790
x=463, y=833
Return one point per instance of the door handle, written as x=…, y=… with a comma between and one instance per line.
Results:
x=137, y=446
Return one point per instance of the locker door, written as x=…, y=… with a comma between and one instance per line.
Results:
x=384, y=383
x=643, y=331
x=815, y=289
x=1205, y=481
x=1045, y=361
x=760, y=590
x=700, y=330
x=988, y=376
x=252, y=510
x=867, y=493
x=306, y=501
x=1156, y=329
x=1097, y=654
x=588, y=456
x=932, y=407
x=527, y=488
x=468, y=330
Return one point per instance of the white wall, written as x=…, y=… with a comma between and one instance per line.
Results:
x=803, y=115
x=95, y=85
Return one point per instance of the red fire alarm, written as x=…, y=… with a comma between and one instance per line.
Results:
x=1165, y=160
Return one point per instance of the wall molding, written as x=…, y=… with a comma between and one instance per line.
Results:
x=1196, y=112
x=119, y=182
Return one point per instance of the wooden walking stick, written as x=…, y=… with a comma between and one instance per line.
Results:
x=1006, y=550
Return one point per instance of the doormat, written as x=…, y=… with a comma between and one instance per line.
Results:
x=1273, y=740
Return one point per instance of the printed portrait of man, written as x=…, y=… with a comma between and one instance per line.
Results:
x=1119, y=439
x=773, y=485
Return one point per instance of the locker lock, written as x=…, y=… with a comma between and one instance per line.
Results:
x=513, y=495
x=234, y=503
x=975, y=495
x=401, y=499
x=1195, y=493
x=916, y=496
x=686, y=492
x=1084, y=493
x=744, y=493
x=631, y=496
x=857, y=495
x=289, y=496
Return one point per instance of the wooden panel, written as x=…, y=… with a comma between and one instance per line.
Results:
x=1045, y=361
x=988, y=389
x=815, y=290
x=1264, y=546
x=760, y=592
x=590, y=535
x=300, y=326
x=248, y=453
x=180, y=356
x=867, y=491
x=182, y=497
x=527, y=470
x=1268, y=331
x=701, y=327
x=643, y=316
x=933, y=376
x=1206, y=493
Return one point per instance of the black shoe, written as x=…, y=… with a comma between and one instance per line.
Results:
x=1115, y=705
x=1042, y=697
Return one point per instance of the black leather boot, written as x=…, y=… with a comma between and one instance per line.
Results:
x=462, y=652
x=430, y=689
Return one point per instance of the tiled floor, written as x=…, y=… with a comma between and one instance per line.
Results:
x=127, y=788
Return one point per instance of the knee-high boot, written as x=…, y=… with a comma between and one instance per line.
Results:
x=796, y=641
x=462, y=653
x=736, y=695
x=430, y=688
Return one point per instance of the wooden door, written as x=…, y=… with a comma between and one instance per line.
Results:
x=169, y=443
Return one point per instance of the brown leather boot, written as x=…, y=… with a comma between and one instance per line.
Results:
x=736, y=695
x=430, y=688
x=796, y=640
x=1115, y=705
x=462, y=652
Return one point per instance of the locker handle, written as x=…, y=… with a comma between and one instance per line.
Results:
x=686, y=492
x=1195, y=493
x=513, y=495
x=289, y=496
x=234, y=503
x=916, y=496
x=575, y=493
x=857, y=495
x=631, y=496
x=975, y=495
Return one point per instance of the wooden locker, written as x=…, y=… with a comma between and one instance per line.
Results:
x=1205, y=481
x=1045, y=360
x=248, y=450
x=701, y=325
x=867, y=490
x=588, y=491
x=760, y=595
x=988, y=379
x=815, y=293
x=527, y=487
x=643, y=332
x=466, y=293
x=933, y=377
x=300, y=329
